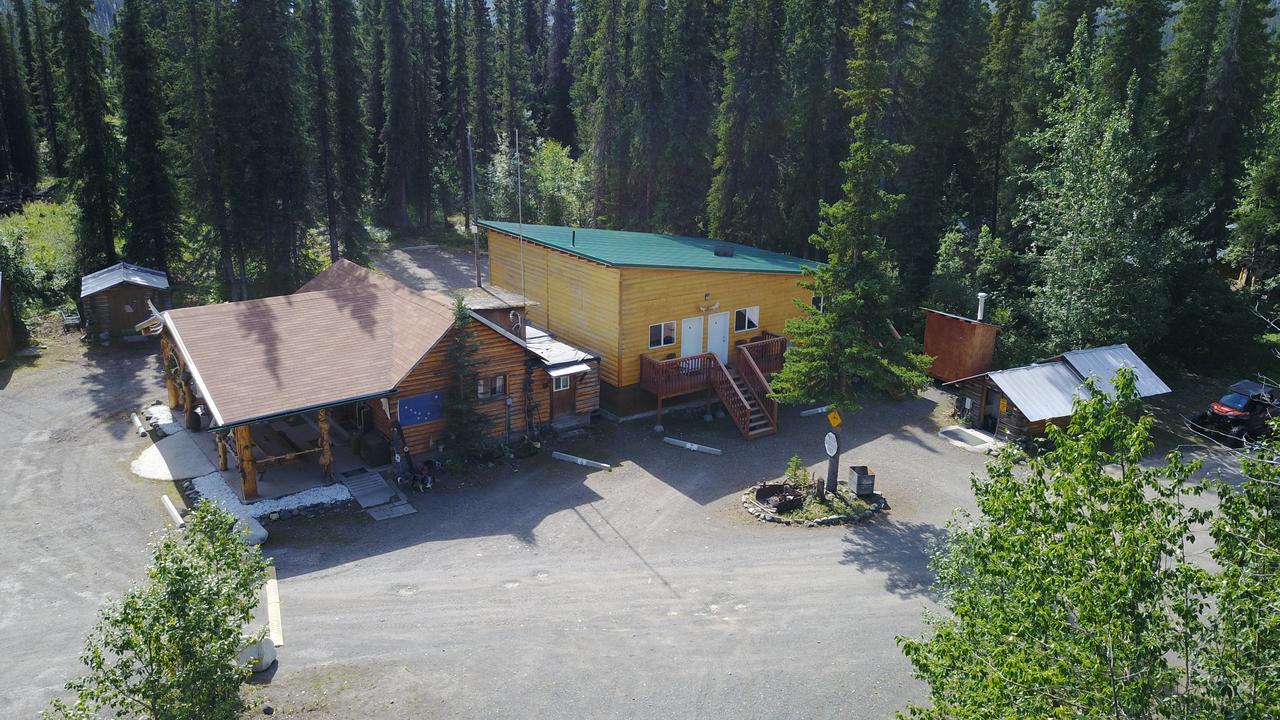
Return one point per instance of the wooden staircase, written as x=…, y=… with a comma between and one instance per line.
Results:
x=758, y=422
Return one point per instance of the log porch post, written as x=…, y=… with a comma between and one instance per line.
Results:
x=170, y=387
x=326, y=451
x=244, y=453
x=220, y=439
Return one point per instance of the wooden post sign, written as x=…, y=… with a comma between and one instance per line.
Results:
x=831, y=444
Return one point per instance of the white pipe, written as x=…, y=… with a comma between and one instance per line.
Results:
x=174, y=515
x=579, y=461
x=982, y=305
x=814, y=411
x=137, y=425
x=692, y=446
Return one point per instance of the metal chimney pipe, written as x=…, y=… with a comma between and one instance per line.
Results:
x=982, y=305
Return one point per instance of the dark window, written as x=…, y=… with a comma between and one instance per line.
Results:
x=746, y=319
x=662, y=334
x=491, y=387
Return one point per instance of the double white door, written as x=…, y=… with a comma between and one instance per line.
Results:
x=717, y=337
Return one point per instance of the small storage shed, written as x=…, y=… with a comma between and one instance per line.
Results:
x=7, y=340
x=115, y=298
x=960, y=347
x=1019, y=402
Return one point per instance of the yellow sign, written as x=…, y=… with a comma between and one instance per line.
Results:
x=1004, y=404
x=834, y=418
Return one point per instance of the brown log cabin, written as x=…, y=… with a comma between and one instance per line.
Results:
x=357, y=347
x=668, y=316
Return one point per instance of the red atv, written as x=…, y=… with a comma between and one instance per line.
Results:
x=1243, y=414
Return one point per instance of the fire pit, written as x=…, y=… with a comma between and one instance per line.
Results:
x=779, y=497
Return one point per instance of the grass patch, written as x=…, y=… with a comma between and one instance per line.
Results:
x=840, y=502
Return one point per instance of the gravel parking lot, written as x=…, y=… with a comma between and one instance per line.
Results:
x=543, y=589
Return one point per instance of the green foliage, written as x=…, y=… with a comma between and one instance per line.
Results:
x=850, y=347
x=465, y=424
x=168, y=649
x=1075, y=592
x=689, y=76
x=40, y=256
x=149, y=199
x=1255, y=238
x=1070, y=594
x=93, y=170
x=19, y=158
x=350, y=161
x=1003, y=114
x=558, y=87
x=558, y=186
x=797, y=475
x=743, y=202
x=1101, y=273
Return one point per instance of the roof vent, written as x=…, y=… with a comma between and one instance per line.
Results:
x=724, y=251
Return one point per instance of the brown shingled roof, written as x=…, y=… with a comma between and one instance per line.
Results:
x=348, y=334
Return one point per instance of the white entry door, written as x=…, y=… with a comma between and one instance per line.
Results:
x=718, y=335
x=691, y=336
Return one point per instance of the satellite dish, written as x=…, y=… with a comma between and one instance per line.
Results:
x=516, y=320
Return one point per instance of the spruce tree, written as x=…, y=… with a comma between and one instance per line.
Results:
x=937, y=176
x=815, y=121
x=689, y=74
x=1132, y=46
x=513, y=72
x=93, y=145
x=1235, y=91
x=1001, y=114
x=19, y=139
x=533, y=24
x=349, y=133
x=742, y=204
x=599, y=94
x=269, y=194
x=558, y=87
x=1183, y=84
x=484, y=127
x=460, y=104
x=645, y=122
x=422, y=176
x=465, y=424
x=321, y=129
x=1255, y=236
x=397, y=134
x=50, y=114
x=375, y=108
x=149, y=201
x=22, y=29
x=848, y=347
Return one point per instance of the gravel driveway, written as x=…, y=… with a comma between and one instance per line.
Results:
x=646, y=591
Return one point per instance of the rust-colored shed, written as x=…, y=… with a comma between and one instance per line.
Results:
x=115, y=298
x=960, y=347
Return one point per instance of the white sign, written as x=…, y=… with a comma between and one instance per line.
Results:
x=831, y=444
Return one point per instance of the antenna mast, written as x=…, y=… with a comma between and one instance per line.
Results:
x=475, y=235
x=519, y=210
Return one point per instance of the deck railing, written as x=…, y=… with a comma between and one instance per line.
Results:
x=767, y=353
x=756, y=382
x=735, y=403
x=677, y=376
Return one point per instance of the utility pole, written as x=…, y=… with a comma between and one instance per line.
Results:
x=475, y=235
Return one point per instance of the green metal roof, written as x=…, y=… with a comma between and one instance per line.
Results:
x=622, y=248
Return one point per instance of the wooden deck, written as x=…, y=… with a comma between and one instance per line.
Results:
x=742, y=387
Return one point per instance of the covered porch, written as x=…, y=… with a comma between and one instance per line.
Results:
x=741, y=384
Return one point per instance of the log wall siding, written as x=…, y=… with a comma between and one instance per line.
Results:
x=587, y=399
x=578, y=299
x=107, y=309
x=652, y=295
x=495, y=355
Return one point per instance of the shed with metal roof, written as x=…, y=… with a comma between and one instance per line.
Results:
x=115, y=298
x=1019, y=402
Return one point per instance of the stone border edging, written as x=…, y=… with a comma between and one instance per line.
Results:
x=192, y=496
x=763, y=514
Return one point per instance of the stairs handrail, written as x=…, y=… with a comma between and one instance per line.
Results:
x=758, y=385
x=734, y=401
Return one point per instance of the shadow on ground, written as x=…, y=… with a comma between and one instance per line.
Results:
x=900, y=550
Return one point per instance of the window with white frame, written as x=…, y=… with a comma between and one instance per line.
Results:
x=746, y=319
x=564, y=382
x=491, y=387
x=662, y=334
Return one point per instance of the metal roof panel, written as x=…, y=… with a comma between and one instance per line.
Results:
x=1041, y=392
x=1103, y=362
x=122, y=273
